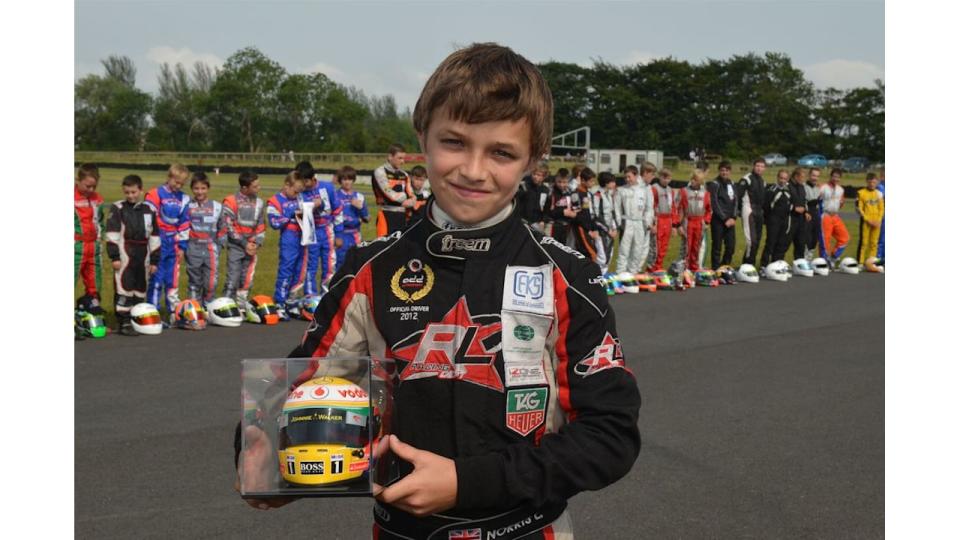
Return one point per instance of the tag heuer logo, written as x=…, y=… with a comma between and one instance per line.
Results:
x=523, y=332
x=526, y=409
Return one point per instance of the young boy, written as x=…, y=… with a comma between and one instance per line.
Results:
x=870, y=209
x=750, y=191
x=87, y=222
x=777, y=207
x=813, y=209
x=327, y=210
x=799, y=216
x=205, y=240
x=418, y=181
x=532, y=198
x=243, y=221
x=284, y=212
x=832, y=227
x=564, y=210
x=478, y=437
x=562, y=176
x=693, y=213
x=169, y=203
x=882, y=188
x=723, y=203
x=585, y=228
x=635, y=208
x=133, y=245
x=664, y=208
x=391, y=187
x=601, y=191
x=355, y=213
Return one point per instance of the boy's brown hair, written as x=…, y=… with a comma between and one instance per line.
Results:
x=88, y=170
x=395, y=149
x=632, y=169
x=199, y=177
x=871, y=176
x=291, y=178
x=346, y=173
x=486, y=82
x=179, y=170
x=647, y=167
x=665, y=173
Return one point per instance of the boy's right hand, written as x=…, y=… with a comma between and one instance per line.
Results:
x=115, y=265
x=255, y=463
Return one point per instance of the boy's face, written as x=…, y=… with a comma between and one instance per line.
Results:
x=310, y=183
x=725, y=173
x=630, y=177
x=611, y=185
x=175, y=183
x=647, y=177
x=87, y=186
x=759, y=167
x=872, y=183
x=200, y=190
x=695, y=181
x=396, y=160
x=665, y=180
x=131, y=193
x=815, y=176
x=475, y=169
x=562, y=183
x=834, y=178
x=292, y=190
x=346, y=184
x=417, y=182
x=252, y=189
x=782, y=179
x=538, y=177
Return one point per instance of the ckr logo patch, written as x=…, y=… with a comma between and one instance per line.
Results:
x=526, y=409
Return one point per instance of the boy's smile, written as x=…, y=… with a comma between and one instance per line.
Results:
x=475, y=169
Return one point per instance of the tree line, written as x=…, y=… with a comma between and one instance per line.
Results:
x=738, y=107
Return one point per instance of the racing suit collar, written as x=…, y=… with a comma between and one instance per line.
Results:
x=489, y=239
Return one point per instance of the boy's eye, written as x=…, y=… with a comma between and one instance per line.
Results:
x=452, y=142
x=504, y=154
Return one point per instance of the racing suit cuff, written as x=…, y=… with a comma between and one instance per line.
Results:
x=479, y=483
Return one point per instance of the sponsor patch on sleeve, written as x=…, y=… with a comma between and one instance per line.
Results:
x=606, y=355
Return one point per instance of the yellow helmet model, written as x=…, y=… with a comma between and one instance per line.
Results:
x=323, y=433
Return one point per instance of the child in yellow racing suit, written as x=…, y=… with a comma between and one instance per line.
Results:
x=870, y=208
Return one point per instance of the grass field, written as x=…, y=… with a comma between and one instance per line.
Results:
x=265, y=277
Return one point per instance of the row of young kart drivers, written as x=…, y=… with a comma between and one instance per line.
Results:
x=147, y=240
x=588, y=212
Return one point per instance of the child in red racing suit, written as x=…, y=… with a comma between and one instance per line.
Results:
x=479, y=434
x=664, y=208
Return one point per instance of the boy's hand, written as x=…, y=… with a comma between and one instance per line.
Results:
x=255, y=460
x=613, y=233
x=337, y=242
x=357, y=203
x=408, y=203
x=809, y=217
x=730, y=222
x=152, y=270
x=430, y=488
x=115, y=265
x=569, y=213
x=594, y=234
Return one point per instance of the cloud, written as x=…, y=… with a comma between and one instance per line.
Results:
x=843, y=74
x=329, y=70
x=185, y=56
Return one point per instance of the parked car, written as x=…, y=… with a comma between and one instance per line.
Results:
x=775, y=159
x=812, y=160
x=855, y=164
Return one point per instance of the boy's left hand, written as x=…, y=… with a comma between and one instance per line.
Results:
x=153, y=269
x=430, y=488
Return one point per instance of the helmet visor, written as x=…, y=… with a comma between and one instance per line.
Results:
x=324, y=426
x=147, y=319
x=228, y=311
x=267, y=309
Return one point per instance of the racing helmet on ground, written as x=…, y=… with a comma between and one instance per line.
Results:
x=777, y=271
x=324, y=435
x=726, y=275
x=90, y=304
x=629, y=282
x=874, y=264
x=145, y=319
x=662, y=280
x=224, y=311
x=89, y=324
x=262, y=310
x=688, y=279
x=706, y=278
x=646, y=282
x=307, y=306
x=849, y=265
x=802, y=267
x=189, y=315
x=820, y=266
x=748, y=274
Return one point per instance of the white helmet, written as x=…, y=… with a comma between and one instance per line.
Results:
x=874, y=264
x=820, y=266
x=146, y=319
x=802, y=267
x=777, y=271
x=748, y=274
x=629, y=282
x=849, y=265
x=224, y=312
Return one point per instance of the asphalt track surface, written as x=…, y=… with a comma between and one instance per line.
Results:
x=762, y=417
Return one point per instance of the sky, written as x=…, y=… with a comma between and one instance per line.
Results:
x=392, y=47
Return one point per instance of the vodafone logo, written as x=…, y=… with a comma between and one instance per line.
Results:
x=319, y=392
x=352, y=393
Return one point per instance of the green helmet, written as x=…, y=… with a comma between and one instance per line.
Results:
x=90, y=325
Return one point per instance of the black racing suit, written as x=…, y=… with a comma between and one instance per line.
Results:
x=533, y=200
x=813, y=208
x=133, y=240
x=777, y=207
x=723, y=204
x=750, y=194
x=532, y=399
x=798, y=222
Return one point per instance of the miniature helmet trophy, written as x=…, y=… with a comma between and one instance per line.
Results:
x=802, y=267
x=189, y=315
x=777, y=271
x=224, y=311
x=324, y=437
x=874, y=264
x=748, y=274
x=849, y=265
x=263, y=310
x=628, y=282
x=89, y=325
x=820, y=266
x=308, y=306
x=145, y=319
